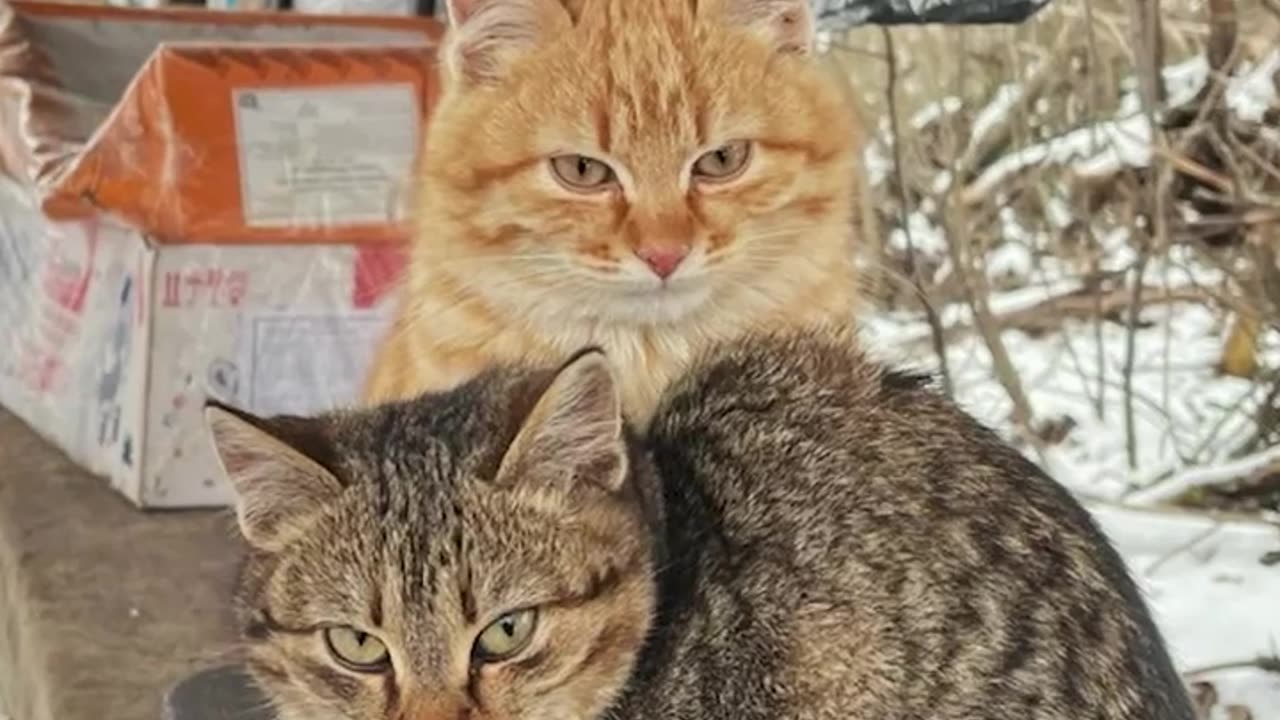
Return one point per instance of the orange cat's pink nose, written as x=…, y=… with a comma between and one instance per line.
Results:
x=663, y=259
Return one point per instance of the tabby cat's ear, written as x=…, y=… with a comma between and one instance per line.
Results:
x=278, y=488
x=486, y=36
x=574, y=433
x=786, y=24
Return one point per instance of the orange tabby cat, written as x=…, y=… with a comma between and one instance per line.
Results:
x=641, y=175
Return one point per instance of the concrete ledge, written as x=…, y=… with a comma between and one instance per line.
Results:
x=102, y=607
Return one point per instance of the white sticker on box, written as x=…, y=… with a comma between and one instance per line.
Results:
x=325, y=156
x=303, y=364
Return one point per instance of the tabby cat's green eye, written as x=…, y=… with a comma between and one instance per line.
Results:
x=505, y=636
x=357, y=650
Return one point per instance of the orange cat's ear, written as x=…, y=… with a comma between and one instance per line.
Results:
x=486, y=36
x=574, y=434
x=785, y=24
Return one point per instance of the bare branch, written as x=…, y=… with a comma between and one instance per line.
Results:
x=1245, y=469
x=1149, y=41
x=913, y=268
x=1130, y=352
x=1265, y=663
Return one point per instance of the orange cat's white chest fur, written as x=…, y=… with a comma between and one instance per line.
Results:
x=446, y=338
x=461, y=347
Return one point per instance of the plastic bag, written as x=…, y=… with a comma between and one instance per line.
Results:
x=840, y=14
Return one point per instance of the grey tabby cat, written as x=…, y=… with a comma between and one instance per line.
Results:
x=804, y=535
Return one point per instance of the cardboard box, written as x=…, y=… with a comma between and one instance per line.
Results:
x=196, y=205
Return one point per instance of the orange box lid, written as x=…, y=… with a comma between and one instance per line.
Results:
x=199, y=126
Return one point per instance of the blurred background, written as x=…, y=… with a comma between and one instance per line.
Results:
x=1075, y=222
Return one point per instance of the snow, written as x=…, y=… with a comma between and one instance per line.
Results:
x=926, y=237
x=1209, y=593
x=1009, y=302
x=877, y=162
x=1006, y=98
x=1058, y=212
x=1103, y=148
x=1184, y=80
x=941, y=183
x=1171, y=487
x=1125, y=143
x=1010, y=258
x=1250, y=93
x=935, y=111
x=1186, y=413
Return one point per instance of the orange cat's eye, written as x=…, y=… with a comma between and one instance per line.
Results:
x=580, y=173
x=724, y=163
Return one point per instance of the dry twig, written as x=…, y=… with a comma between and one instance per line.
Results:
x=1241, y=470
x=913, y=270
x=1265, y=663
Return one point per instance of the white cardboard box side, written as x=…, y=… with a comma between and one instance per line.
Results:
x=111, y=343
x=272, y=329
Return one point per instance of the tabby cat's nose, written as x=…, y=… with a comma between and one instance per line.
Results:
x=662, y=259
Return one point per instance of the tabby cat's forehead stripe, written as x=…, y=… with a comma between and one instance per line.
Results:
x=466, y=596
x=376, y=609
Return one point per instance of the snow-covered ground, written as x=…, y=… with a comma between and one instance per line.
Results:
x=1212, y=593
